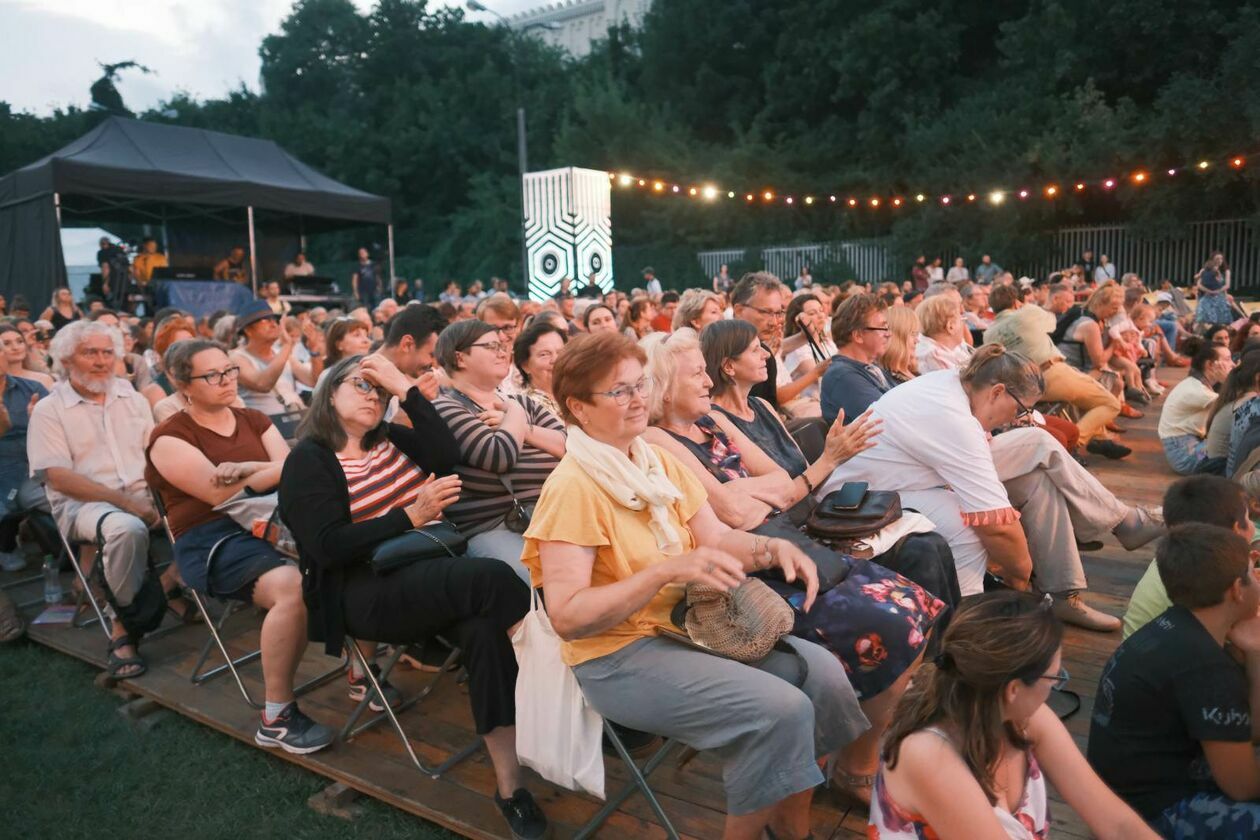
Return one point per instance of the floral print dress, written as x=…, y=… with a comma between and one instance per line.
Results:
x=1030, y=821
x=875, y=621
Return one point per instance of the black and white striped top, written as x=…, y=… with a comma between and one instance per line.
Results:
x=485, y=454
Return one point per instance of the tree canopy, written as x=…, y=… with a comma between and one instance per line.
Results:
x=419, y=104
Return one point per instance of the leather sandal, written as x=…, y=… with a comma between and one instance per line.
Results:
x=857, y=788
x=117, y=663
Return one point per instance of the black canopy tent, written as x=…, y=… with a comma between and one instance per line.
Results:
x=140, y=172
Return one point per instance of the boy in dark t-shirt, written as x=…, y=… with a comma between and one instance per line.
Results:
x=1172, y=725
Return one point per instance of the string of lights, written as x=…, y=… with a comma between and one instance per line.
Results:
x=767, y=196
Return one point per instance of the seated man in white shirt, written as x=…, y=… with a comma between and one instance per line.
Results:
x=86, y=443
x=299, y=267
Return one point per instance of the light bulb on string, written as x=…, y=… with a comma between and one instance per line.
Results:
x=675, y=188
x=658, y=186
x=920, y=197
x=749, y=196
x=730, y=194
x=767, y=195
x=853, y=202
x=1172, y=172
x=1203, y=164
x=1023, y=193
x=1237, y=162
x=809, y=199
x=692, y=191
x=944, y=199
x=1140, y=177
x=971, y=196
x=788, y=199
x=1052, y=191
x=626, y=180
x=1109, y=183
x=896, y=202
x=642, y=182
x=874, y=202
x=1080, y=187
x=710, y=192
x=997, y=197
x=833, y=199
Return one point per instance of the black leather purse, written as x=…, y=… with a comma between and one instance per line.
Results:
x=441, y=539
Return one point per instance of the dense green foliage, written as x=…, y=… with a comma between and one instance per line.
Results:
x=798, y=95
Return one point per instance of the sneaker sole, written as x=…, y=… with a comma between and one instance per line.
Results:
x=374, y=706
x=267, y=741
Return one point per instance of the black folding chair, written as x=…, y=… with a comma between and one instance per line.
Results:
x=390, y=713
x=287, y=422
x=215, y=628
x=638, y=782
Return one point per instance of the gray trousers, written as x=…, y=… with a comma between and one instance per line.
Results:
x=501, y=544
x=768, y=733
x=125, y=558
x=1058, y=500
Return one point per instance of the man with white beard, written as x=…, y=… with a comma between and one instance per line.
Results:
x=86, y=443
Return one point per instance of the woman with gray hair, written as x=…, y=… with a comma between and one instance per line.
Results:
x=1016, y=502
x=697, y=308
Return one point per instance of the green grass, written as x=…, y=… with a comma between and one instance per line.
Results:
x=72, y=767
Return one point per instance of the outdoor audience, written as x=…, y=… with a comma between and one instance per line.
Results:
x=613, y=453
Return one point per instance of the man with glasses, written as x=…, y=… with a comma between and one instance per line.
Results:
x=1176, y=715
x=86, y=443
x=760, y=299
x=855, y=380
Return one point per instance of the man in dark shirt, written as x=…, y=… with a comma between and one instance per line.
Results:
x=365, y=283
x=1173, y=722
x=855, y=379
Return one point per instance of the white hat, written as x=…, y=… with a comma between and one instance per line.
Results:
x=1163, y=297
x=1025, y=282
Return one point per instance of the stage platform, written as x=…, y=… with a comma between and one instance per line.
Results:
x=375, y=764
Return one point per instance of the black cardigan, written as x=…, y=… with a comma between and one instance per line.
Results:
x=315, y=505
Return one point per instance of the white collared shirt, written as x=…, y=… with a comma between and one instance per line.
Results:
x=101, y=442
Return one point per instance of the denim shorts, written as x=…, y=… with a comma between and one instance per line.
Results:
x=239, y=559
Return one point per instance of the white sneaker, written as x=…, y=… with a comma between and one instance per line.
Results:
x=1154, y=387
x=11, y=561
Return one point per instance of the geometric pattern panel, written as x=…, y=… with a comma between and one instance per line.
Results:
x=568, y=229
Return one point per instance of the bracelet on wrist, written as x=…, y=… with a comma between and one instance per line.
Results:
x=809, y=485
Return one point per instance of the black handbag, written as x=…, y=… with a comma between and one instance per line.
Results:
x=833, y=566
x=441, y=539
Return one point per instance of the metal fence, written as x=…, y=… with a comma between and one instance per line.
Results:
x=1175, y=257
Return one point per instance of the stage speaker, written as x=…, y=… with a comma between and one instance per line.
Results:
x=568, y=229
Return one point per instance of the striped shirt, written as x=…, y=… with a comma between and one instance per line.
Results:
x=486, y=455
x=380, y=481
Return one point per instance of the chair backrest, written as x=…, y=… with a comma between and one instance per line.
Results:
x=287, y=422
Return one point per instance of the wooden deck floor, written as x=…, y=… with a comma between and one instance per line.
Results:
x=376, y=765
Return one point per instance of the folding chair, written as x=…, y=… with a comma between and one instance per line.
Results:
x=72, y=549
x=287, y=422
x=638, y=782
x=390, y=713
x=215, y=629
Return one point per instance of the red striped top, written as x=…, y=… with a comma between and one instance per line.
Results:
x=380, y=481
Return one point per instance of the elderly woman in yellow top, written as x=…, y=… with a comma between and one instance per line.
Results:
x=620, y=528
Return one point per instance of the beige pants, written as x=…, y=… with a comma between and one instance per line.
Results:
x=1098, y=406
x=1057, y=500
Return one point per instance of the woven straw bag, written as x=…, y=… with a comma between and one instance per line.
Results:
x=742, y=624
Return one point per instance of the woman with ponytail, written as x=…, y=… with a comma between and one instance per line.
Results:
x=965, y=755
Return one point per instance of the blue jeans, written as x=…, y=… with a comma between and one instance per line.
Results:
x=501, y=544
x=1206, y=816
x=1184, y=452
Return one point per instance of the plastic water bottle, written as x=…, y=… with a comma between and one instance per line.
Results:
x=52, y=580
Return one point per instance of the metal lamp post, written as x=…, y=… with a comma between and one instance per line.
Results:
x=522, y=160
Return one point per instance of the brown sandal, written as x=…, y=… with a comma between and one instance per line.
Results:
x=857, y=788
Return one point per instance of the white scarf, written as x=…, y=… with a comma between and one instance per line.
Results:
x=636, y=482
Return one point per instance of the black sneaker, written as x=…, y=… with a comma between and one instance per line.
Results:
x=360, y=686
x=293, y=732
x=524, y=817
x=1108, y=448
x=1135, y=395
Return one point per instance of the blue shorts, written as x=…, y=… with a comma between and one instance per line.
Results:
x=239, y=560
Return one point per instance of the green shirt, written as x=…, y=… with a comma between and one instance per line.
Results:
x=1149, y=600
x=1026, y=331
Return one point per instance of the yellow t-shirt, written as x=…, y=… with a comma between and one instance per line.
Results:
x=1148, y=601
x=145, y=263
x=574, y=509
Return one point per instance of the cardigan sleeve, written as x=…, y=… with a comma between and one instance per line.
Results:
x=429, y=442
x=314, y=503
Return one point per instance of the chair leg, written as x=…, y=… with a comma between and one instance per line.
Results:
x=638, y=781
x=77, y=565
x=230, y=664
x=350, y=730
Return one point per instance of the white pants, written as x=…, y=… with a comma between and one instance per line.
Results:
x=125, y=557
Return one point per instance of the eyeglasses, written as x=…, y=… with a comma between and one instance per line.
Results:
x=1024, y=411
x=218, y=377
x=621, y=394
x=495, y=347
x=776, y=314
x=1057, y=680
x=364, y=387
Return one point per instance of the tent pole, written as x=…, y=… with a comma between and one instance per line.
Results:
x=166, y=244
x=57, y=208
x=253, y=257
x=390, y=230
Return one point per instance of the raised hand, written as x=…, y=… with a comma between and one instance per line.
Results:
x=843, y=442
x=381, y=372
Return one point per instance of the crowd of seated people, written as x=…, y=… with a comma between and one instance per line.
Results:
x=611, y=450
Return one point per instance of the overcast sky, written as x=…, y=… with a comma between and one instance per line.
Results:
x=49, y=49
